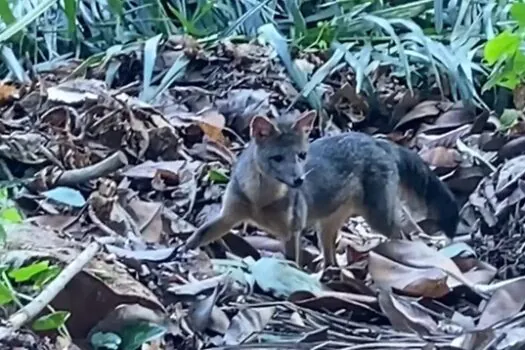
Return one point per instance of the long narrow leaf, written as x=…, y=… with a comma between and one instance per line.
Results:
x=270, y=33
x=438, y=15
x=386, y=26
x=25, y=20
x=423, y=40
x=150, y=55
x=320, y=75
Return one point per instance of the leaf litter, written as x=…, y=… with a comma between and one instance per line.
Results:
x=148, y=163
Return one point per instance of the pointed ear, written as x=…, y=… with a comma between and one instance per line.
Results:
x=261, y=128
x=305, y=122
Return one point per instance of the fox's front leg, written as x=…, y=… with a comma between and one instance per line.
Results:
x=298, y=213
x=233, y=212
x=292, y=248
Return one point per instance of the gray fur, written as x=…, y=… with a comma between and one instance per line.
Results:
x=342, y=176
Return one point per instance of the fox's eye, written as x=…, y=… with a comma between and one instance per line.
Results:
x=278, y=158
x=302, y=155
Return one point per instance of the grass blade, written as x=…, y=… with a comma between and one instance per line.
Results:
x=387, y=27
x=270, y=33
x=25, y=20
x=150, y=55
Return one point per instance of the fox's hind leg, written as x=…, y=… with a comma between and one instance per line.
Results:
x=327, y=230
x=381, y=205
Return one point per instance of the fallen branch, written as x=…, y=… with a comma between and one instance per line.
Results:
x=75, y=176
x=31, y=310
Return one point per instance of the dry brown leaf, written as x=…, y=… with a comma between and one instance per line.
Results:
x=387, y=273
x=404, y=316
x=7, y=93
x=200, y=312
x=423, y=110
x=212, y=123
x=417, y=254
x=441, y=157
x=247, y=322
x=506, y=302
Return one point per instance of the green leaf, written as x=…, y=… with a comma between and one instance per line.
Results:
x=5, y=12
x=116, y=7
x=518, y=63
x=42, y=278
x=24, y=21
x=3, y=235
x=4, y=195
x=501, y=46
x=298, y=19
x=217, y=176
x=101, y=340
x=70, y=8
x=11, y=215
x=6, y=294
x=508, y=118
x=135, y=335
x=517, y=11
x=51, y=321
x=24, y=274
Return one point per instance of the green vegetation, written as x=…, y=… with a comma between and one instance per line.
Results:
x=455, y=48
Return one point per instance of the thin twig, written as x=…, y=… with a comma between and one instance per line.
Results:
x=31, y=310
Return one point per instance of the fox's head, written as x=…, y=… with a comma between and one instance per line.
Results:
x=281, y=148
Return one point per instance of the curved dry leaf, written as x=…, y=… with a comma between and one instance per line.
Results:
x=417, y=254
x=266, y=243
x=200, y=312
x=219, y=322
x=246, y=323
x=149, y=169
x=506, y=302
x=197, y=287
x=361, y=306
x=509, y=175
x=148, y=218
x=423, y=110
x=405, y=316
x=456, y=116
x=441, y=157
x=513, y=148
x=240, y=105
x=240, y=247
x=518, y=96
x=387, y=274
x=466, y=179
x=448, y=139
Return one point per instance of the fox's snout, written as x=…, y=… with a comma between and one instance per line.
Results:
x=298, y=181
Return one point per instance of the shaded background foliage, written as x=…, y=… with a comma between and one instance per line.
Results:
x=431, y=45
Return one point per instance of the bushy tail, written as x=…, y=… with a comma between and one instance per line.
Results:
x=416, y=175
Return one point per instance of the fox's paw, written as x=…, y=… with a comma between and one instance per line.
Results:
x=331, y=273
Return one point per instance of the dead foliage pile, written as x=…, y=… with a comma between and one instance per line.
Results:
x=97, y=160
